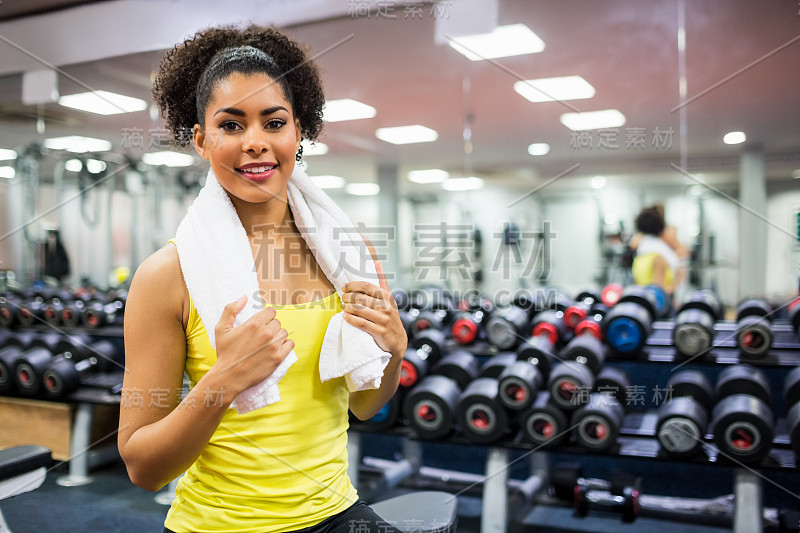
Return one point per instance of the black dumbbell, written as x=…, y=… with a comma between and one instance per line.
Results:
x=49, y=341
x=54, y=307
x=9, y=304
x=31, y=312
x=72, y=311
x=597, y=424
x=508, y=327
x=614, y=381
x=97, y=315
x=544, y=424
x=63, y=374
x=430, y=407
x=584, y=356
x=626, y=502
x=628, y=324
x=74, y=346
x=794, y=315
x=683, y=420
x=540, y=349
x=21, y=339
x=518, y=385
x=662, y=299
x=791, y=397
x=586, y=347
x=9, y=354
x=742, y=421
x=694, y=326
x=469, y=324
x=567, y=476
x=580, y=308
x=480, y=414
x=28, y=370
x=754, y=328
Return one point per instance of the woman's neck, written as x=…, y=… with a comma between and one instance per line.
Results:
x=261, y=217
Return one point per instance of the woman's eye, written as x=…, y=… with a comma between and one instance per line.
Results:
x=275, y=123
x=229, y=125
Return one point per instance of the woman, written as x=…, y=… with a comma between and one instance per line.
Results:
x=656, y=262
x=248, y=96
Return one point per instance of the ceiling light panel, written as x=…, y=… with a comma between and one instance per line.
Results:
x=103, y=103
x=555, y=89
x=504, y=41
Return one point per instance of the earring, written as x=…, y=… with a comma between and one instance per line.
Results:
x=299, y=155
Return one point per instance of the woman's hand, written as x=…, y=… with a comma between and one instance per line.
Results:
x=374, y=310
x=249, y=353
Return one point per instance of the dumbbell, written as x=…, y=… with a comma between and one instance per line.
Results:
x=21, y=339
x=626, y=503
x=597, y=424
x=9, y=354
x=544, y=424
x=694, y=326
x=507, y=327
x=662, y=299
x=76, y=346
x=55, y=307
x=683, y=420
x=794, y=315
x=540, y=348
x=31, y=312
x=754, y=328
x=97, y=315
x=48, y=341
x=430, y=407
x=72, y=311
x=579, y=309
x=424, y=350
x=567, y=476
x=584, y=356
x=742, y=421
x=9, y=303
x=791, y=396
x=28, y=368
x=480, y=414
x=469, y=324
x=611, y=294
x=628, y=324
x=63, y=374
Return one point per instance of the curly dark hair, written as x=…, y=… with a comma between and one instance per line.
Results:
x=190, y=71
x=650, y=221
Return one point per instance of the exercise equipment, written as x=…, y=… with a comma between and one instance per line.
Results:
x=544, y=424
x=425, y=349
x=754, y=328
x=580, y=308
x=662, y=299
x=508, y=327
x=570, y=385
x=628, y=324
x=9, y=303
x=693, y=332
x=540, y=349
x=55, y=307
x=597, y=424
x=97, y=315
x=63, y=374
x=8, y=357
x=791, y=396
x=28, y=370
x=518, y=385
x=480, y=414
x=430, y=407
x=496, y=365
x=614, y=381
x=385, y=418
x=469, y=324
x=794, y=315
x=742, y=421
x=683, y=420
x=611, y=294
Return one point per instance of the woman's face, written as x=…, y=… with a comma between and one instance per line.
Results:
x=250, y=137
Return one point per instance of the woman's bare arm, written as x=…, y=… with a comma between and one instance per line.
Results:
x=158, y=438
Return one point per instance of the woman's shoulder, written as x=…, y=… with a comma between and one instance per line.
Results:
x=159, y=278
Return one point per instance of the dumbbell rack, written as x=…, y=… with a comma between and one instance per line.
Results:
x=637, y=436
x=86, y=399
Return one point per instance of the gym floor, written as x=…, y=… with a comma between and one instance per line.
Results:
x=113, y=504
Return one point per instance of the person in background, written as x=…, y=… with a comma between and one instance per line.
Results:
x=658, y=252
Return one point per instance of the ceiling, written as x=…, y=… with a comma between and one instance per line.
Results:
x=741, y=66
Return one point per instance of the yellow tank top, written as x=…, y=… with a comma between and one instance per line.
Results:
x=279, y=468
x=642, y=270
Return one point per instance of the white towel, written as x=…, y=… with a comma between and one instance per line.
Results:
x=218, y=267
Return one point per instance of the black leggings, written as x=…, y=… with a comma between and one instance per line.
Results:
x=356, y=518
